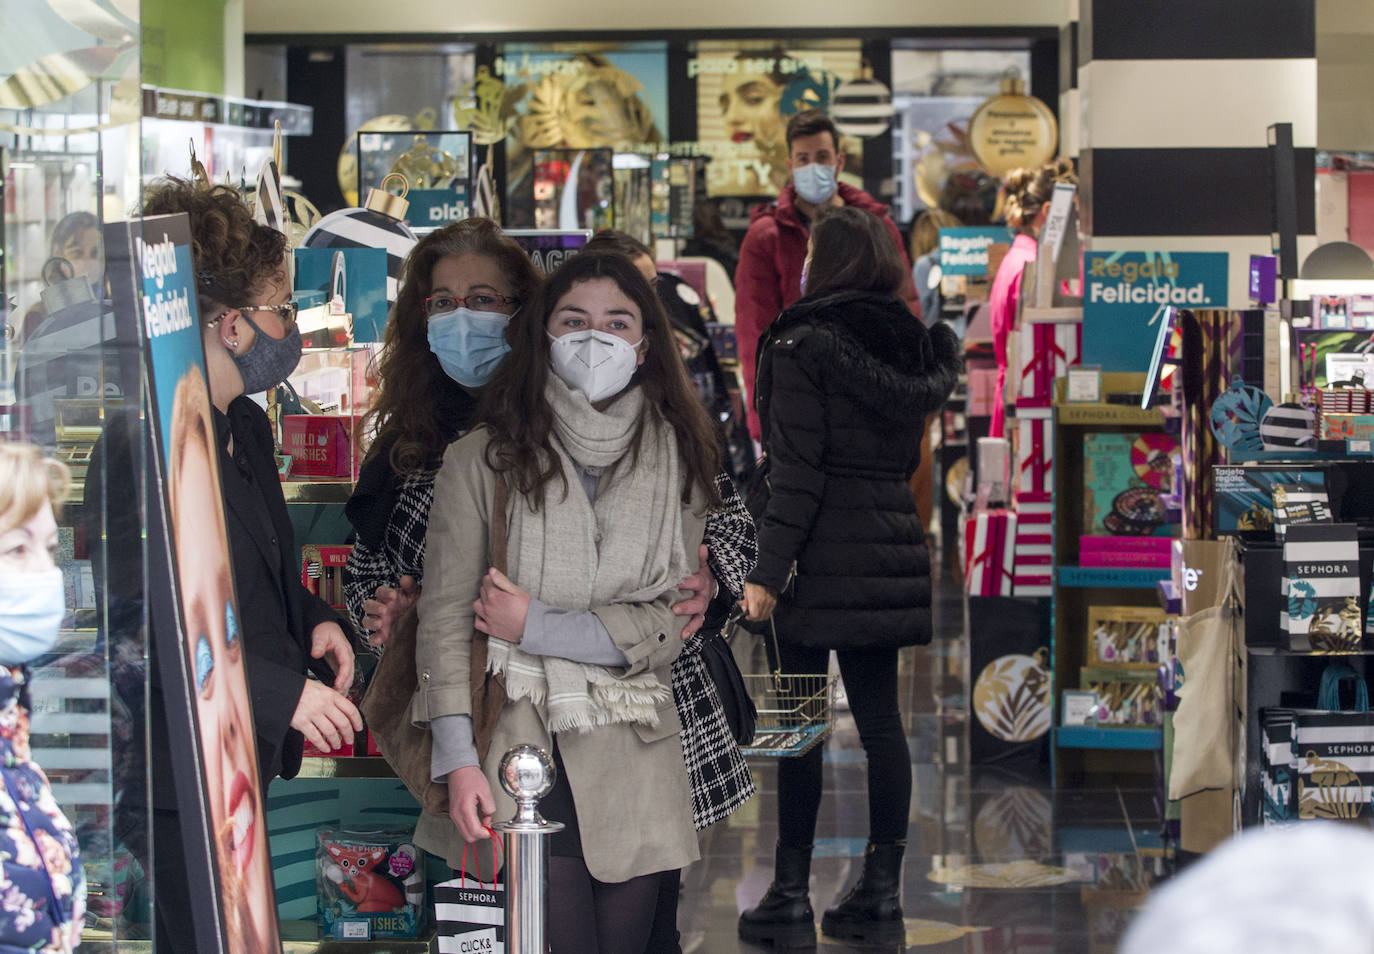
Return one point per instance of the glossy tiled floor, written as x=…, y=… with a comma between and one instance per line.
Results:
x=1068, y=865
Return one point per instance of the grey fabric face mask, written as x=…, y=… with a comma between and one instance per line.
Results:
x=270, y=360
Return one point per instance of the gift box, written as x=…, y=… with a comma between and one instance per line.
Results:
x=1034, y=454
x=1034, y=367
x=989, y=553
x=322, y=571
x=1321, y=587
x=982, y=391
x=1094, y=550
x=1127, y=635
x=1346, y=427
x=320, y=445
x=1126, y=697
x=1243, y=500
x=370, y=884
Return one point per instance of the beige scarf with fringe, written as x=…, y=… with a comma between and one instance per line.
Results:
x=573, y=554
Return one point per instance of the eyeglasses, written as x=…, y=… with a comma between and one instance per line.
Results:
x=438, y=304
x=286, y=311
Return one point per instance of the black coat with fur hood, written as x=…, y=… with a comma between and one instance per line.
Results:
x=845, y=381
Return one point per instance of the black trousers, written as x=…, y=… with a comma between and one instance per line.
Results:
x=870, y=677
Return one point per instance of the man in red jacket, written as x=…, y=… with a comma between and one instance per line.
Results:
x=769, y=275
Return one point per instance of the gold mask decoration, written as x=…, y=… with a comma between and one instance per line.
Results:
x=492, y=116
x=594, y=106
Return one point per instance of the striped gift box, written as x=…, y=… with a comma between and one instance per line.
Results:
x=1321, y=587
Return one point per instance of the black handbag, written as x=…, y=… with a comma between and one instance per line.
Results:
x=740, y=713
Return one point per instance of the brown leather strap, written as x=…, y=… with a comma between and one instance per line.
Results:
x=489, y=691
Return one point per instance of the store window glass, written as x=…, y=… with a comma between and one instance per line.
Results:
x=934, y=93
x=70, y=384
x=400, y=87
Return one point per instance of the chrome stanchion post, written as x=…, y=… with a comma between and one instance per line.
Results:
x=527, y=775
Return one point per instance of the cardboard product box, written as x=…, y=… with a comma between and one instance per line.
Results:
x=1127, y=635
x=989, y=553
x=322, y=571
x=1125, y=477
x=1035, y=456
x=320, y=445
x=1243, y=501
x=1346, y=427
x=1126, y=697
x=370, y=884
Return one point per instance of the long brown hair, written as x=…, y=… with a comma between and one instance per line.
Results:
x=852, y=250
x=521, y=421
x=415, y=399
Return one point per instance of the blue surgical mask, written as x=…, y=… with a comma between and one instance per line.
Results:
x=815, y=182
x=470, y=345
x=31, y=609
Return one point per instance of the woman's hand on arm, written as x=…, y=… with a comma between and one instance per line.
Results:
x=759, y=601
x=702, y=585
x=386, y=607
x=501, y=608
x=470, y=803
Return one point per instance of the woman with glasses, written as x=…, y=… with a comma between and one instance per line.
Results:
x=299, y=662
x=252, y=344
x=444, y=341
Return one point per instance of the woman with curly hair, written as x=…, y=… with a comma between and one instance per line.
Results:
x=248, y=322
x=465, y=291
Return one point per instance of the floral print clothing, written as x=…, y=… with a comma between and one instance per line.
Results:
x=42, y=886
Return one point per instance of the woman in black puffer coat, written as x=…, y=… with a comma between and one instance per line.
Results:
x=846, y=378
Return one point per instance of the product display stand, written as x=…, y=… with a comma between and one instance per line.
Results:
x=1088, y=748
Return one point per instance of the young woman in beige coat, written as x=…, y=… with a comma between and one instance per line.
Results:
x=609, y=463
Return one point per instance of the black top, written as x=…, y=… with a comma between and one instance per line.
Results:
x=276, y=612
x=845, y=382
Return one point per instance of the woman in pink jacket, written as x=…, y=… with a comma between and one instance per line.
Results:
x=1027, y=194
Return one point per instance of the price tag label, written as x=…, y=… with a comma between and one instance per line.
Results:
x=1085, y=385
x=355, y=930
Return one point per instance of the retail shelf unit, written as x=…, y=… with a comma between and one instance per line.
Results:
x=1099, y=750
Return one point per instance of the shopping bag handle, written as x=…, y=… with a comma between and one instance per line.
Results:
x=496, y=856
x=1329, y=697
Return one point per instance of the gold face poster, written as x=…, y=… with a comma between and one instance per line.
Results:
x=563, y=107
x=746, y=93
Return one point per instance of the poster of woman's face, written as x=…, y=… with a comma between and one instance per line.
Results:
x=214, y=655
x=745, y=97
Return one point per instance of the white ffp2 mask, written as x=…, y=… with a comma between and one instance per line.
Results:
x=597, y=363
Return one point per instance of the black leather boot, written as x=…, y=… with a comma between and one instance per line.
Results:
x=784, y=917
x=871, y=913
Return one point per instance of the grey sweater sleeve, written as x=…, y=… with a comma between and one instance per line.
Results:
x=569, y=634
x=454, y=745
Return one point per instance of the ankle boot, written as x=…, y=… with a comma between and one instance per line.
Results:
x=872, y=910
x=784, y=917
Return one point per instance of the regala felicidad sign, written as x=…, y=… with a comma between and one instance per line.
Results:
x=1125, y=294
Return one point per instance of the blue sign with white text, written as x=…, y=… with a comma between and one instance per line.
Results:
x=964, y=250
x=1126, y=294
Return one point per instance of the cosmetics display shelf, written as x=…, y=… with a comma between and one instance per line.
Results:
x=1079, y=750
x=329, y=766
x=1305, y=653
x=1134, y=578
x=298, y=937
x=1093, y=737
x=1290, y=457
x=317, y=491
